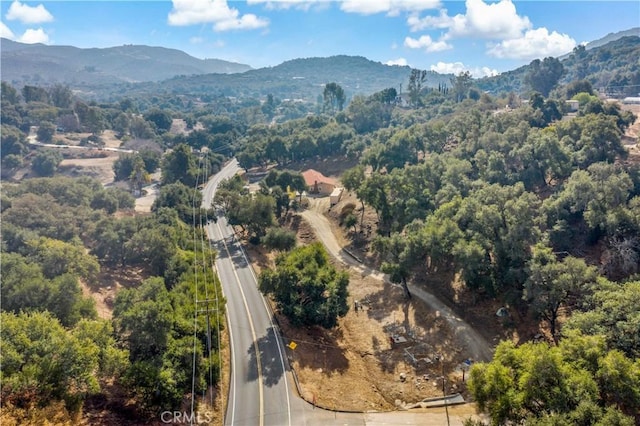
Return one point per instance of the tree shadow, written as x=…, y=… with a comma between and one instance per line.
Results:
x=316, y=347
x=230, y=248
x=413, y=330
x=271, y=365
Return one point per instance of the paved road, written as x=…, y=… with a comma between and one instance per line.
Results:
x=259, y=390
x=262, y=390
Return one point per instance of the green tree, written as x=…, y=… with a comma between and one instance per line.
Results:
x=306, y=287
x=112, y=361
x=253, y=213
x=9, y=93
x=67, y=302
x=461, y=85
x=180, y=165
x=46, y=162
x=61, y=96
x=386, y=96
x=151, y=159
x=416, y=80
x=58, y=257
x=369, y=114
x=544, y=75
x=139, y=175
x=95, y=121
x=46, y=131
x=123, y=166
x=151, y=247
x=141, y=128
x=551, y=283
x=12, y=141
x=279, y=239
x=143, y=318
x=43, y=361
x=185, y=200
x=24, y=287
x=399, y=259
x=121, y=124
x=539, y=384
x=334, y=97
x=161, y=119
x=34, y=94
x=611, y=312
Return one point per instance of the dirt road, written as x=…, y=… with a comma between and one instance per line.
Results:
x=478, y=348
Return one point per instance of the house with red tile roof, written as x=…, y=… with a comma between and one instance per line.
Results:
x=317, y=183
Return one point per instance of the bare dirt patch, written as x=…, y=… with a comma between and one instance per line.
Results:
x=380, y=356
x=105, y=288
x=99, y=167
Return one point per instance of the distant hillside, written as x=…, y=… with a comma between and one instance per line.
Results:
x=296, y=79
x=42, y=64
x=612, y=68
x=613, y=37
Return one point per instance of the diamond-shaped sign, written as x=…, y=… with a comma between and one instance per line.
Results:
x=292, y=345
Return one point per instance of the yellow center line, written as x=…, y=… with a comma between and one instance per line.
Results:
x=253, y=330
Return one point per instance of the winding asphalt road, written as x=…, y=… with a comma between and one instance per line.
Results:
x=259, y=390
x=262, y=390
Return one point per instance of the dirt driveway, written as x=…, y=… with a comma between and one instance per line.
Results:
x=476, y=345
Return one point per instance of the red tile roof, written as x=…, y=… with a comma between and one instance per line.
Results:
x=311, y=177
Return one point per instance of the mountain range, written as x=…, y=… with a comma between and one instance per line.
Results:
x=111, y=73
x=39, y=63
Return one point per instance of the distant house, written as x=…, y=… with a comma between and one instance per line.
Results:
x=317, y=183
x=573, y=105
x=631, y=100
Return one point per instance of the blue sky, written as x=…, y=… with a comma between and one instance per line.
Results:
x=481, y=36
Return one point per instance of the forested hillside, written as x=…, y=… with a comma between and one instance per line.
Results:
x=299, y=79
x=493, y=198
x=60, y=235
x=84, y=68
x=611, y=68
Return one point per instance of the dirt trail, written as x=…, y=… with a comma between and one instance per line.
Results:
x=478, y=347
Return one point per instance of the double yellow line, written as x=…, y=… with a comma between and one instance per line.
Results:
x=253, y=330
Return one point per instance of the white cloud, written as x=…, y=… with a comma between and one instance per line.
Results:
x=218, y=12
x=400, y=61
x=534, y=44
x=32, y=36
x=430, y=22
x=291, y=4
x=481, y=20
x=448, y=67
x=245, y=22
x=425, y=42
x=493, y=21
x=513, y=35
x=391, y=7
x=28, y=14
x=196, y=40
x=458, y=67
x=218, y=43
x=484, y=72
x=5, y=32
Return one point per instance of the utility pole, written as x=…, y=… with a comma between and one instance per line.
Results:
x=444, y=394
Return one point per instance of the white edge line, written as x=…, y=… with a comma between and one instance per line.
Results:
x=276, y=332
x=253, y=330
x=232, y=379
